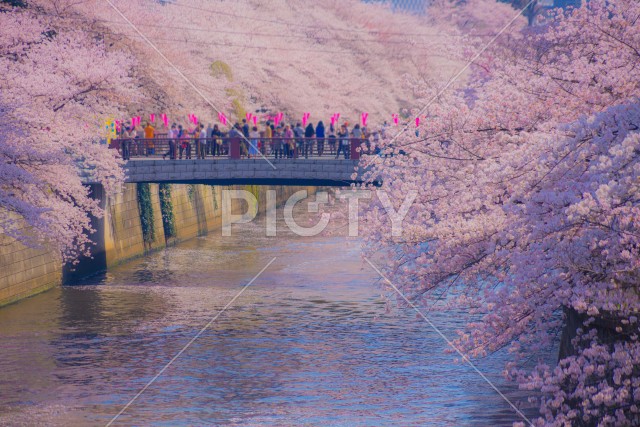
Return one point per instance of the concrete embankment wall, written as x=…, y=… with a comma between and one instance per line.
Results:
x=25, y=271
x=132, y=226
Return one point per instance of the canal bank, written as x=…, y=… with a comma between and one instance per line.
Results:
x=140, y=219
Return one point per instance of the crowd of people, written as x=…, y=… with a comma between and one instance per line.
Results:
x=280, y=141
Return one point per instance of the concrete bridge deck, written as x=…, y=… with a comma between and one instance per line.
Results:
x=224, y=171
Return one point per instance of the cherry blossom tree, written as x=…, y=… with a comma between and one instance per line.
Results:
x=67, y=65
x=58, y=86
x=527, y=213
x=320, y=57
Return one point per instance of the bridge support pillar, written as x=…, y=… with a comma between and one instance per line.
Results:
x=355, y=148
x=234, y=148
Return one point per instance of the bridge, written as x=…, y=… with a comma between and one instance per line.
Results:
x=306, y=163
x=316, y=172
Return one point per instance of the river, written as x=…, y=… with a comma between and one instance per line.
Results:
x=308, y=343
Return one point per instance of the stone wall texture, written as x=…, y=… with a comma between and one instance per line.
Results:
x=25, y=271
x=197, y=210
x=336, y=172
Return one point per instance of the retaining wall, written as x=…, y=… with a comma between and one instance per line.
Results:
x=119, y=236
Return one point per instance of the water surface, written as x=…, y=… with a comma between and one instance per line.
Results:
x=309, y=343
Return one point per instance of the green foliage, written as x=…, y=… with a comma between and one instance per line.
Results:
x=146, y=212
x=215, y=197
x=191, y=190
x=166, y=208
x=222, y=69
x=237, y=103
x=219, y=69
x=255, y=190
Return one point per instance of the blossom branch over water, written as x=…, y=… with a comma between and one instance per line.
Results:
x=528, y=185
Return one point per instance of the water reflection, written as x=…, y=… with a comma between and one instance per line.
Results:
x=308, y=344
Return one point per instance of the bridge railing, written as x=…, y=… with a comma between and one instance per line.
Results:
x=238, y=148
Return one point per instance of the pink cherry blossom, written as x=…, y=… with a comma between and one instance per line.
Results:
x=58, y=86
x=528, y=211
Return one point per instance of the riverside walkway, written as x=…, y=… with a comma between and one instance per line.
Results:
x=156, y=161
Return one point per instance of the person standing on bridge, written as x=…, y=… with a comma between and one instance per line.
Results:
x=171, y=135
x=190, y=134
x=298, y=132
x=255, y=137
x=356, y=137
x=343, y=144
x=244, y=145
x=320, y=137
x=137, y=133
x=245, y=128
x=236, y=132
x=268, y=134
x=180, y=140
x=309, y=135
x=289, y=141
x=276, y=142
x=210, y=142
x=202, y=143
x=332, y=139
x=149, y=133
x=126, y=144
x=216, y=134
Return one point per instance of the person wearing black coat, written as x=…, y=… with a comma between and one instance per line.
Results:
x=320, y=137
x=216, y=134
x=309, y=135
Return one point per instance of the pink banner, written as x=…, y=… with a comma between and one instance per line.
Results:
x=278, y=118
x=418, y=121
x=364, y=117
x=152, y=117
x=395, y=119
x=255, y=120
